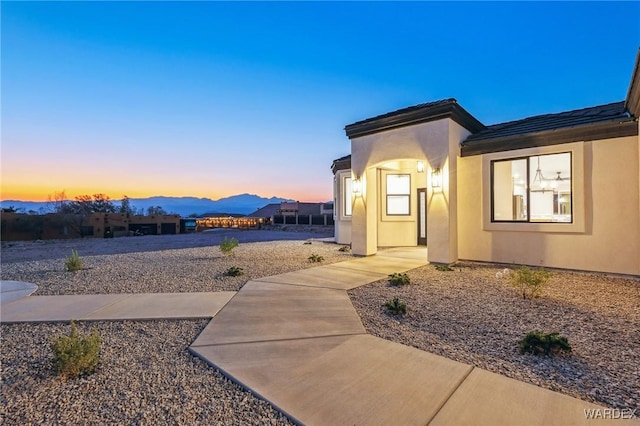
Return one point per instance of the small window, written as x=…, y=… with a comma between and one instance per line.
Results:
x=532, y=189
x=398, y=194
x=347, y=197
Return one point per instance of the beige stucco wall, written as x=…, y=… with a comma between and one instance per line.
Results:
x=605, y=235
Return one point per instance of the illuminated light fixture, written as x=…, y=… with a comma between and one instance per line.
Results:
x=420, y=167
x=357, y=186
x=542, y=184
x=436, y=179
x=539, y=182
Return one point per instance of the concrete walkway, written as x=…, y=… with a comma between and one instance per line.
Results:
x=295, y=340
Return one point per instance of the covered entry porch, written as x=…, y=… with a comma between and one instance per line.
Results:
x=398, y=188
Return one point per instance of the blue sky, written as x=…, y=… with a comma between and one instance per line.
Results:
x=213, y=99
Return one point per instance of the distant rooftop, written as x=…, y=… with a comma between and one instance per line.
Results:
x=274, y=209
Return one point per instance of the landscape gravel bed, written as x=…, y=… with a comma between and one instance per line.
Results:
x=472, y=316
x=146, y=377
x=197, y=269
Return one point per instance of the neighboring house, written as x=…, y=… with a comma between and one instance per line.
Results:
x=557, y=190
x=296, y=213
x=292, y=208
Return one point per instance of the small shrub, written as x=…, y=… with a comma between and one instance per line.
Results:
x=537, y=342
x=227, y=245
x=73, y=262
x=396, y=307
x=76, y=355
x=529, y=281
x=235, y=271
x=443, y=268
x=314, y=258
x=344, y=249
x=399, y=279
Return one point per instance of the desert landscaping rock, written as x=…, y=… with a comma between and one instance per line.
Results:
x=470, y=316
x=148, y=376
x=170, y=271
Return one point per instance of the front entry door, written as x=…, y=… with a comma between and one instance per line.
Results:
x=422, y=217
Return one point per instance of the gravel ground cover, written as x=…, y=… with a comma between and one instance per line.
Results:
x=471, y=316
x=146, y=376
x=171, y=271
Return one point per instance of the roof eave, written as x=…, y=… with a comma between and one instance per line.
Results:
x=410, y=118
x=632, y=102
x=602, y=130
x=341, y=164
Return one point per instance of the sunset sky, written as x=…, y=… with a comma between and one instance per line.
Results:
x=215, y=99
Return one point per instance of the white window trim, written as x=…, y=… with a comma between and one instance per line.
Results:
x=406, y=195
x=347, y=197
x=340, y=208
x=382, y=193
x=578, y=190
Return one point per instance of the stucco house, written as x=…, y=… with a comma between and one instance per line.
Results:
x=557, y=190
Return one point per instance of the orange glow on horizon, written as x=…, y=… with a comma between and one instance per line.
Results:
x=27, y=193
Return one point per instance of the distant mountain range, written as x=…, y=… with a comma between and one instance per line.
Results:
x=184, y=206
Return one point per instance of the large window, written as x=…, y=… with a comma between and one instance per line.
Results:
x=398, y=194
x=532, y=189
x=347, y=196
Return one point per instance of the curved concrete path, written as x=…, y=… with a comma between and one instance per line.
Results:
x=295, y=340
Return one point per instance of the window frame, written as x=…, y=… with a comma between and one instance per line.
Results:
x=528, y=188
x=581, y=154
x=406, y=195
x=347, y=196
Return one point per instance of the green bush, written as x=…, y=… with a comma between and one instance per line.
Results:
x=227, y=245
x=315, y=258
x=73, y=262
x=443, y=268
x=396, y=307
x=529, y=281
x=344, y=249
x=537, y=342
x=399, y=279
x=235, y=271
x=75, y=355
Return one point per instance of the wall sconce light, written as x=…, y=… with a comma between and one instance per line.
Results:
x=357, y=186
x=436, y=179
x=420, y=166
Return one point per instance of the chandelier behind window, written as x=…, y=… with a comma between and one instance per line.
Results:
x=543, y=184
